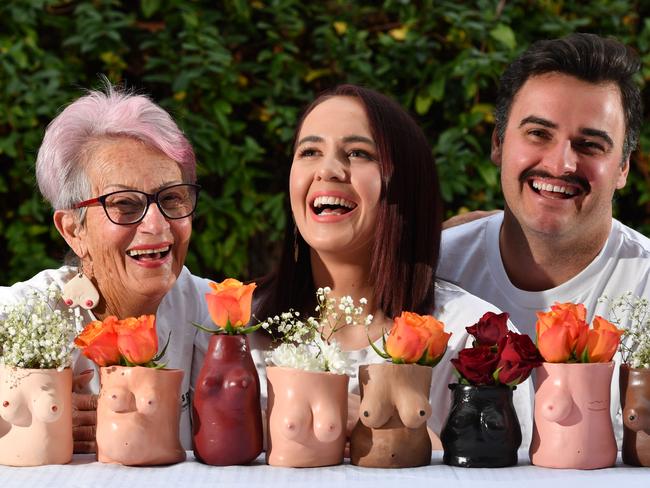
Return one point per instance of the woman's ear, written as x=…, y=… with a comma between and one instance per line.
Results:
x=70, y=228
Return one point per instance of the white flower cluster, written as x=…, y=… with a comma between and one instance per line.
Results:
x=308, y=344
x=632, y=313
x=34, y=334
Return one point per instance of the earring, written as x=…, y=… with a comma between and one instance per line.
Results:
x=80, y=291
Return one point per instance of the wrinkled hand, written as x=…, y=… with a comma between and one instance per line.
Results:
x=467, y=217
x=84, y=415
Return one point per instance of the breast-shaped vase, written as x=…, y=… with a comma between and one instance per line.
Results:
x=634, y=386
x=392, y=427
x=226, y=413
x=572, y=423
x=35, y=416
x=138, y=414
x=482, y=429
x=307, y=415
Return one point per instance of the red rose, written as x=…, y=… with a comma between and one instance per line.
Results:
x=490, y=329
x=518, y=356
x=477, y=364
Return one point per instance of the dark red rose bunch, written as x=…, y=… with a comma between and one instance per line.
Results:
x=498, y=355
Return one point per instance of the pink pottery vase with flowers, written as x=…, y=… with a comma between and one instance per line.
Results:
x=392, y=427
x=35, y=416
x=635, y=401
x=572, y=426
x=138, y=413
x=307, y=415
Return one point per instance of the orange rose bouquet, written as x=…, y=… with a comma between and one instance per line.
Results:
x=229, y=305
x=128, y=342
x=563, y=336
x=414, y=338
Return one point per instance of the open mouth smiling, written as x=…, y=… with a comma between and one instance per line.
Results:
x=557, y=188
x=150, y=254
x=330, y=205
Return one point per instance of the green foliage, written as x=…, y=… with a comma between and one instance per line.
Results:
x=235, y=75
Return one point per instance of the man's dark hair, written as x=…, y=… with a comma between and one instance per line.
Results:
x=588, y=57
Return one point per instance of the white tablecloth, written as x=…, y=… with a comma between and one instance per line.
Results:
x=84, y=471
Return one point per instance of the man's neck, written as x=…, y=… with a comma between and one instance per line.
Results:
x=536, y=262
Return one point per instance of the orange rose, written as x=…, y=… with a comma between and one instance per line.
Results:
x=416, y=338
x=230, y=303
x=602, y=342
x=98, y=342
x=554, y=344
x=137, y=339
x=568, y=316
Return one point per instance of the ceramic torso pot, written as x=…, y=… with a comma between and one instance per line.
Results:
x=392, y=429
x=35, y=416
x=307, y=415
x=226, y=413
x=138, y=413
x=573, y=426
x=482, y=430
x=635, y=401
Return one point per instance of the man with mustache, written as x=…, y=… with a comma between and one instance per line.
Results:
x=568, y=115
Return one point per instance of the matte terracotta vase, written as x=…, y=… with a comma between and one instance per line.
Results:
x=392, y=427
x=482, y=430
x=138, y=414
x=307, y=415
x=573, y=427
x=226, y=413
x=634, y=386
x=35, y=416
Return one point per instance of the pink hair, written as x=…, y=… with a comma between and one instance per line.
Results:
x=99, y=114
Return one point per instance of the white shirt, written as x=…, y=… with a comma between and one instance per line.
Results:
x=182, y=305
x=470, y=257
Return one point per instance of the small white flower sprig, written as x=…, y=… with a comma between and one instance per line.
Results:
x=36, y=335
x=632, y=313
x=308, y=344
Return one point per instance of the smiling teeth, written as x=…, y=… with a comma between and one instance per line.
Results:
x=554, y=188
x=341, y=202
x=140, y=252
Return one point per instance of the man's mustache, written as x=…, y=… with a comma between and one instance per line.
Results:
x=571, y=179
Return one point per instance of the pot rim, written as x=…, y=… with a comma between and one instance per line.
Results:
x=453, y=386
x=286, y=368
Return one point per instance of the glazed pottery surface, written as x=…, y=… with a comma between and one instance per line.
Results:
x=226, y=413
x=573, y=426
x=392, y=429
x=482, y=430
x=35, y=416
x=634, y=385
x=138, y=413
x=307, y=415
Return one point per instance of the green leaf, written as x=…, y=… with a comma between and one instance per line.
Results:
x=504, y=35
x=149, y=7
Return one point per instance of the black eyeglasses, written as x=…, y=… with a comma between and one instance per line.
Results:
x=126, y=207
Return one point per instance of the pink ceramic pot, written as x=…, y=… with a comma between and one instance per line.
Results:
x=635, y=401
x=307, y=415
x=392, y=428
x=138, y=415
x=35, y=416
x=573, y=426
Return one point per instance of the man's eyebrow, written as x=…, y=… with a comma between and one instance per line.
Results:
x=533, y=119
x=601, y=134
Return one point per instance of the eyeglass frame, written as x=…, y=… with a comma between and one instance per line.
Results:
x=151, y=198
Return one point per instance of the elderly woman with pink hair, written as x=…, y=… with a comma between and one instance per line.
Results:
x=120, y=176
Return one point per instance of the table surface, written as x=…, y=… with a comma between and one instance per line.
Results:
x=85, y=471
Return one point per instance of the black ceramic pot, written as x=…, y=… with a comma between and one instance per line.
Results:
x=482, y=430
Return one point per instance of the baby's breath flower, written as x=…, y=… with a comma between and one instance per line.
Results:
x=632, y=313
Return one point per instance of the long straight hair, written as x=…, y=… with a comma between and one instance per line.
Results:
x=409, y=220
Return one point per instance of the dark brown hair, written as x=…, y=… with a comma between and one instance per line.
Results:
x=407, y=236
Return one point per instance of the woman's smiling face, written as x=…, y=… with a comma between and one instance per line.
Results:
x=335, y=180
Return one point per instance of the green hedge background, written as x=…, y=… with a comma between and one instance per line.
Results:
x=236, y=74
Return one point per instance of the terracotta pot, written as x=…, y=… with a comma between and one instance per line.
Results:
x=573, y=427
x=138, y=414
x=482, y=430
x=634, y=386
x=35, y=416
x=307, y=415
x=392, y=429
x=226, y=413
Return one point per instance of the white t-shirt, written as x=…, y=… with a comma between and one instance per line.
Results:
x=182, y=305
x=470, y=257
x=456, y=309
